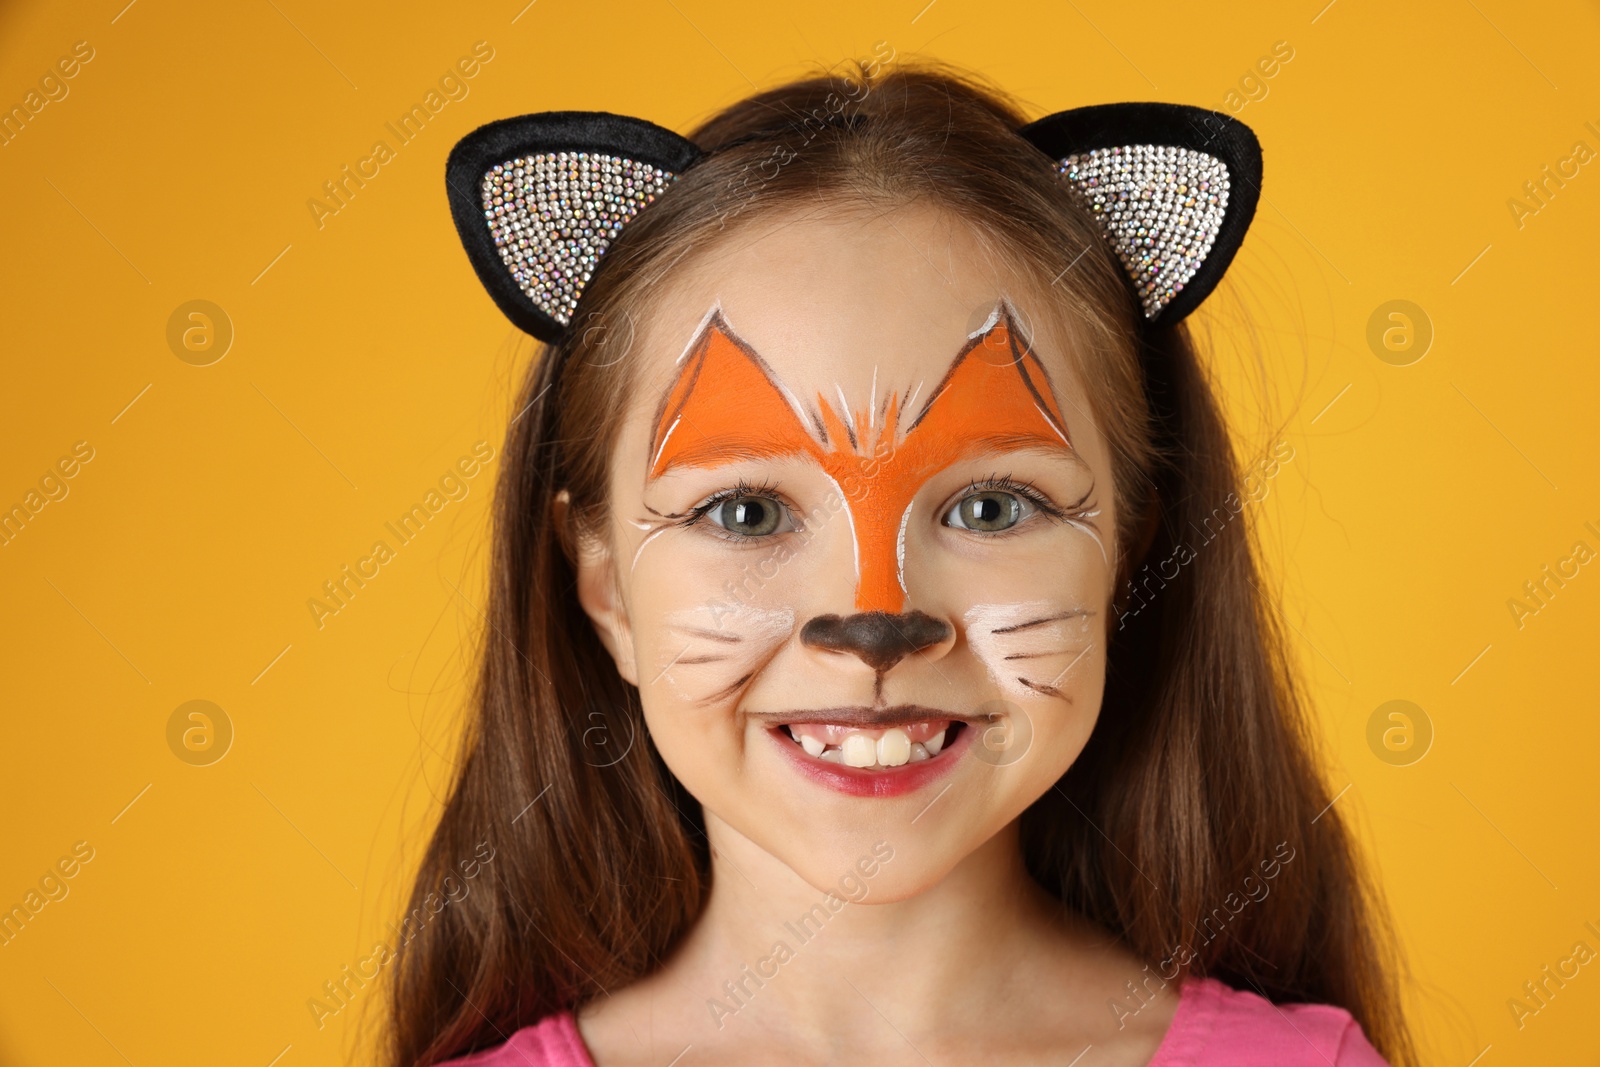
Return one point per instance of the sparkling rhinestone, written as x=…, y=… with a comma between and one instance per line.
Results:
x=1145, y=198
x=553, y=215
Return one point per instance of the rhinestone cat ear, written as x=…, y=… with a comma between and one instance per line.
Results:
x=538, y=199
x=1174, y=189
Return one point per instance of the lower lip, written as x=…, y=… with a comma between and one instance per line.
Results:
x=860, y=782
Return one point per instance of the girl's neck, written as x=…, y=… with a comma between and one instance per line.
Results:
x=777, y=955
x=982, y=965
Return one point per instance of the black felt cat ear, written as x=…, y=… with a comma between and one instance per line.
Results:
x=538, y=199
x=1174, y=188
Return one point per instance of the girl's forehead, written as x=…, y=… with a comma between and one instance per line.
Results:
x=859, y=304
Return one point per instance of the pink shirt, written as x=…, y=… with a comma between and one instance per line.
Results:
x=1214, y=1025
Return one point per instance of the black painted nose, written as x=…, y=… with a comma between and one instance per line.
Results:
x=880, y=639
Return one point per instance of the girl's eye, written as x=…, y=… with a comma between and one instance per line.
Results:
x=750, y=516
x=990, y=511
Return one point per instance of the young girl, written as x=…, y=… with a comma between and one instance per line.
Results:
x=876, y=668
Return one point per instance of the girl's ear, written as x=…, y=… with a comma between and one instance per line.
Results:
x=599, y=592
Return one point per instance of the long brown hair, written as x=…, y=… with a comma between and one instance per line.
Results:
x=1200, y=773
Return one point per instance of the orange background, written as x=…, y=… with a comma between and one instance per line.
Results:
x=366, y=361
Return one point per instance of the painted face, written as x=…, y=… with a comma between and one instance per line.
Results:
x=859, y=567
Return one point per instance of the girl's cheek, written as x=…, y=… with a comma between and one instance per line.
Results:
x=707, y=615
x=1036, y=629
x=696, y=637
x=1057, y=557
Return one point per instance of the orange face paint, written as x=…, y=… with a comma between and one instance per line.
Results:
x=727, y=405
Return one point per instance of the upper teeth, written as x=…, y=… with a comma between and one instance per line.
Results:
x=859, y=751
x=892, y=748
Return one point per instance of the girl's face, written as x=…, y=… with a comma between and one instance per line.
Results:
x=860, y=558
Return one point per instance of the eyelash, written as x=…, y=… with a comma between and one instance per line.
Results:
x=1025, y=489
x=995, y=482
x=743, y=488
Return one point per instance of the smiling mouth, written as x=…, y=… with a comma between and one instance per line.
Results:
x=870, y=739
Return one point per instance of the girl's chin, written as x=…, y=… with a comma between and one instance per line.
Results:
x=878, y=865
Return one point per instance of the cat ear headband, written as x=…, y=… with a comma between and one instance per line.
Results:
x=538, y=199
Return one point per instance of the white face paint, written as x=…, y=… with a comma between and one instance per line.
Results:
x=1029, y=648
x=718, y=645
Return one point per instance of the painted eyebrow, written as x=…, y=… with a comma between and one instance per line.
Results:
x=727, y=451
x=730, y=450
x=1010, y=445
